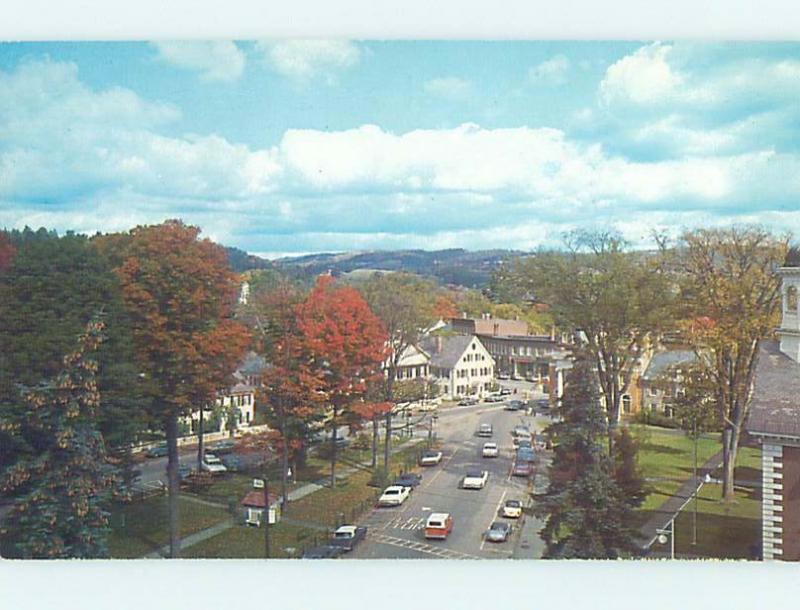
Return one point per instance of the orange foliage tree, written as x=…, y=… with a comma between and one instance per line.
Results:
x=349, y=344
x=179, y=293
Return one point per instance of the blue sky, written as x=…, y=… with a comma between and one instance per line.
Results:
x=302, y=146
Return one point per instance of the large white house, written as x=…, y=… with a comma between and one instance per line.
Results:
x=461, y=365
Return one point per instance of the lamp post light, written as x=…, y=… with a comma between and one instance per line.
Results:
x=669, y=530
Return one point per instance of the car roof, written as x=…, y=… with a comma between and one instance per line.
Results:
x=438, y=516
x=474, y=473
x=490, y=444
x=346, y=529
x=393, y=488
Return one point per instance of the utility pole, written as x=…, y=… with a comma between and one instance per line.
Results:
x=266, y=515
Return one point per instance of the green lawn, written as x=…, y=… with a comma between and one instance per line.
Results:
x=321, y=510
x=142, y=527
x=244, y=542
x=724, y=530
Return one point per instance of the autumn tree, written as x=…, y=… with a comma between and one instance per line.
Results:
x=291, y=383
x=405, y=304
x=348, y=341
x=587, y=514
x=60, y=477
x=617, y=301
x=7, y=251
x=731, y=291
x=179, y=293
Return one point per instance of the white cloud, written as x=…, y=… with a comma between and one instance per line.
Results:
x=449, y=87
x=553, y=71
x=642, y=77
x=75, y=157
x=214, y=60
x=305, y=59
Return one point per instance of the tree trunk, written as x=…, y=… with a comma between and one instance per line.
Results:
x=285, y=473
x=173, y=485
x=200, y=441
x=730, y=447
x=375, y=434
x=387, y=443
x=334, y=435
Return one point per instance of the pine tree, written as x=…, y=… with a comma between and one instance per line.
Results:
x=62, y=480
x=627, y=473
x=587, y=515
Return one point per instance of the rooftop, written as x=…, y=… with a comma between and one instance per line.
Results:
x=661, y=362
x=446, y=351
x=775, y=406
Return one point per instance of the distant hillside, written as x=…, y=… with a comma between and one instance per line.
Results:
x=455, y=266
x=240, y=261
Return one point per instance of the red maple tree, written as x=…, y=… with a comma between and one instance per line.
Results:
x=349, y=344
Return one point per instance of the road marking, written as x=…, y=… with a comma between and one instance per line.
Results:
x=443, y=553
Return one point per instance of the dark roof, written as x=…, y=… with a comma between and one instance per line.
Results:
x=662, y=361
x=452, y=348
x=775, y=405
x=255, y=499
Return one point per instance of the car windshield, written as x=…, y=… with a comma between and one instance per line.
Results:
x=498, y=526
x=490, y=446
x=474, y=474
x=344, y=534
x=391, y=492
x=513, y=503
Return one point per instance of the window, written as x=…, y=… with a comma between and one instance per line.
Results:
x=626, y=403
x=791, y=299
x=653, y=391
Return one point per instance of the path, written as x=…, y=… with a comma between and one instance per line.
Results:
x=673, y=505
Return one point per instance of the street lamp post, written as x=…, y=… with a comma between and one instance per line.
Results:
x=694, y=512
x=266, y=516
x=669, y=530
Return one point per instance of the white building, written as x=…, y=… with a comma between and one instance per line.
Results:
x=414, y=363
x=461, y=365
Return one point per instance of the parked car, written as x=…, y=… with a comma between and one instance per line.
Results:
x=394, y=495
x=430, y=458
x=223, y=446
x=526, y=454
x=493, y=398
x=475, y=479
x=438, y=526
x=348, y=536
x=512, y=509
x=499, y=531
x=503, y=376
x=468, y=401
x=514, y=405
x=408, y=479
x=524, y=443
x=505, y=391
x=213, y=464
x=522, y=469
x=541, y=405
x=326, y=551
x=485, y=430
x=521, y=431
x=234, y=463
x=490, y=450
x=157, y=451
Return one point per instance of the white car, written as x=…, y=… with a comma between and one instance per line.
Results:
x=394, y=495
x=213, y=464
x=512, y=509
x=475, y=479
x=490, y=450
x=430, y=458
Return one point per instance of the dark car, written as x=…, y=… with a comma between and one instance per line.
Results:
x=234, y=463
x=526, y=454
x=409, y=479
x=499, y=531
x=467, y=402
x=493, y=398
x=324, y=552
x=514, y=405
x=157, y=451
x=348, y=536
x=220, y=447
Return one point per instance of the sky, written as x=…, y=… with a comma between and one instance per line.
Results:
x=297, y=146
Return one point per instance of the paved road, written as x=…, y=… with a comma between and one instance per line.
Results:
x=397, y=532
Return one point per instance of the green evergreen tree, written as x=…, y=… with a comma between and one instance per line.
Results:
x=586, y=513
x=61, y=479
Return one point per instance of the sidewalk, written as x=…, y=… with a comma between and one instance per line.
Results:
x=673, y=505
